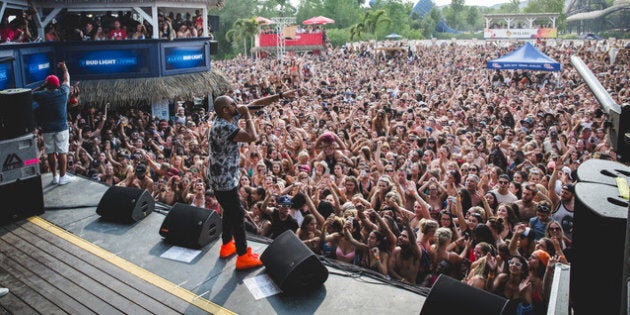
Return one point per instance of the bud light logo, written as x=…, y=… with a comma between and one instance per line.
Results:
x=548, y=66
x=496, y=65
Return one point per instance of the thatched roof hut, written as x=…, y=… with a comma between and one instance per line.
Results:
x=125, y=91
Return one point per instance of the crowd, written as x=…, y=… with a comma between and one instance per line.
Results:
x=411, y=165
x=108, y=26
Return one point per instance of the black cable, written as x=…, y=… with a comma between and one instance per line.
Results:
x=358, y=272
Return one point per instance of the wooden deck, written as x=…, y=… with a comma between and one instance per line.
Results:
x=50, y=275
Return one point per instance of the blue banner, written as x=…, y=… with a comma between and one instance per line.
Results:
x=37, y=67
x=184, y=57
x=109, y=62
x=7, y=79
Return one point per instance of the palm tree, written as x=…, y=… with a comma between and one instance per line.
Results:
x=356, y=30
x=369, y=24
x=241, y=30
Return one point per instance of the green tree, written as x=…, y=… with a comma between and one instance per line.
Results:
x=369, y=24
x=415, y=22
x=428, y=26
x=232, y=11
x=472, y=17
x=344, y=12
x=452, y=17
x=458, y=5
x=544, y=6
x=397, y=10
x=514, y=6
x=242, y=30
x=273, y=8
x=308, y=9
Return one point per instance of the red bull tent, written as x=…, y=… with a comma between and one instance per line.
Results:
x=527, y=57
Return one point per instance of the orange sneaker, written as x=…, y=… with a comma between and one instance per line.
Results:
x=228, y=249
x=248, y=260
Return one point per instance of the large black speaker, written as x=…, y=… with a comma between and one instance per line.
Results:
x=214, y=47
x=125, y=204
x=190, y=226
x=213, y=22
x=450, y=296
x=292, y=265
x=16, y=113
x=21, y=199
x=602, y=171
x=599, y=235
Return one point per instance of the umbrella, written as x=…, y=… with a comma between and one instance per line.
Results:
x=264, y=21
x=319, y=20
x=393, y=36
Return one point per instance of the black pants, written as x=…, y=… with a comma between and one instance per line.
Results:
x=233, y=219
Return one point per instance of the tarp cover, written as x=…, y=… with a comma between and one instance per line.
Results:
x=526, y=57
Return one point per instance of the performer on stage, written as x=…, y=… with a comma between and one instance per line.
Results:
x=223, y=172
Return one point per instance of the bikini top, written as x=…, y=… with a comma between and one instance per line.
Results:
x=349, y=257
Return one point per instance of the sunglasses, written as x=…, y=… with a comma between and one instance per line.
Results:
x=554, y=229
x=503, y=182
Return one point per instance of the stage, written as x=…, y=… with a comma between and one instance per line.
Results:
x=69, y=260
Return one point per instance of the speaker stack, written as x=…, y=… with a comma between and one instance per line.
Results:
x=292, y=265
x=125, y=204
x=599, y=239
x=20, y=178
x=190, y=226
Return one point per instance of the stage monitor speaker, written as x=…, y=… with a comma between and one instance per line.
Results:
x=602, y=172
x=292, y=265
x=125, y=204
x=214, y=47
x=190, y=226
x=450, y=296
x=599, y=235
x=21, y=199
x=16, y=113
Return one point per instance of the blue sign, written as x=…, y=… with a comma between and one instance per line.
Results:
x=184, y=57
x=109, y=62
x=7, y=80
x=37, y=67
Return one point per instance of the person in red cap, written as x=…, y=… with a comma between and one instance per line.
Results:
x=52, y=99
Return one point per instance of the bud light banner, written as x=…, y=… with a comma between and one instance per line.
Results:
x=130, y=62
x=7, y=78
x=36, y=67
x=185, y=59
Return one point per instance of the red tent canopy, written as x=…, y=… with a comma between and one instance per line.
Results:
x=318, y=20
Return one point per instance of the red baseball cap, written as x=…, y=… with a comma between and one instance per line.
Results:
x=52, y=81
